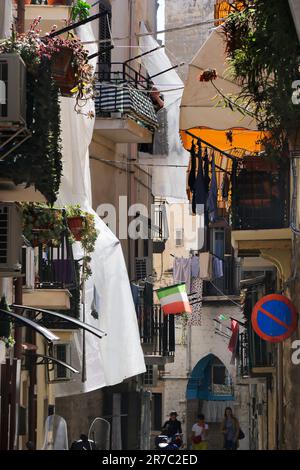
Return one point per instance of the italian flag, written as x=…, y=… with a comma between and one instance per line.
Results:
x=174, y=299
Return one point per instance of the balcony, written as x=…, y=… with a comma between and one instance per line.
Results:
x=56, y=13
x=228, y=284
x=51, y=280
x=260, y=210
x=157, y=335
x=159, y=226
x=261, y=196
x=124, y=111
x=256, y=356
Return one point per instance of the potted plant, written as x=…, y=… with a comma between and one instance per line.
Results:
x=80, y=10
x=87, y=234
x=63, y=71
x=27, y=2
x=75, y=221
x=70, y=67
x=43, y=224
x=57, y=2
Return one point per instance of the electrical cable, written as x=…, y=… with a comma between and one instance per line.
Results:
x=224, y=295
x=153, y=33
x=178, y=28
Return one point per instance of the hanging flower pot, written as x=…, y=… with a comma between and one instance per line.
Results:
x=27, y=2
x=57, y=2
x=62, y=70
x=75, y=225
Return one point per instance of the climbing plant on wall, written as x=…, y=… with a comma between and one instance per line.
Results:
x=263, y=52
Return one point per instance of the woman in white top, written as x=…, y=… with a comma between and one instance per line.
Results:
x=199, y=434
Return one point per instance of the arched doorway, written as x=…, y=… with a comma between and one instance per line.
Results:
x=209, y=391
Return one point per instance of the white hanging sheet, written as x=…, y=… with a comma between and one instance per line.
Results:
x=5, y=18
x=167, y=181
x=118, y=355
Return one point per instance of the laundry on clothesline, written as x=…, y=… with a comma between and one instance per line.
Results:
x=182, y=272
x=217, y=267
x=205, y=266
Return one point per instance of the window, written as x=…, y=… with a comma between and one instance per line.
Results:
x=221, y=381
x=62, y=352
x=149, y=375
x=179, y=237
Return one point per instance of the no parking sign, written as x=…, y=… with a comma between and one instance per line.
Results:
x=274, y=318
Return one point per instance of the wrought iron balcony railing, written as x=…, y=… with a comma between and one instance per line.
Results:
x=228, y=284
x=157, y=331
x=53, y=268
x=254, y=353
x=260, y=198
x=122, y=91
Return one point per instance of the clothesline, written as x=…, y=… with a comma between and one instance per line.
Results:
x=224, y=295
x=212, y=147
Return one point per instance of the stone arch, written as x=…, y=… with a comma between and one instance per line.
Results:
x=203, y=397
x=200, y=382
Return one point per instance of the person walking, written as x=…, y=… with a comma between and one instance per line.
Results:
x=230, y=430
x=199, y=434
x=172, y=426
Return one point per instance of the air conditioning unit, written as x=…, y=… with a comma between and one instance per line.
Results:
x=12, y=89
x=10, y=237
x=142, y=268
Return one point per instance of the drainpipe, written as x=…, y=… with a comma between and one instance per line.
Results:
x=129, y=153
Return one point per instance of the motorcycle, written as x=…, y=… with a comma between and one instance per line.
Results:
x=164, y=442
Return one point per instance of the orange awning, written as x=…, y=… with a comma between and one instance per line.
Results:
x=202, y=110
x=237, y=143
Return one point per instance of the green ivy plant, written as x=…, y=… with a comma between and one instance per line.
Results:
x=43, y=224
x=263, y=52
x=38, y=161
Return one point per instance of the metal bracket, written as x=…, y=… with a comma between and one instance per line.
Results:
x=21, y=134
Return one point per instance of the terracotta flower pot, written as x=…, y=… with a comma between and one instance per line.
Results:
x=75, y=225
x=57, y=2
x=62, y=71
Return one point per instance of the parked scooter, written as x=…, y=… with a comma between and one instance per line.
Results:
x=164, y=442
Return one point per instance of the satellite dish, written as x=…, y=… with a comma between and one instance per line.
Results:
x=99, y=432
x=56, y=434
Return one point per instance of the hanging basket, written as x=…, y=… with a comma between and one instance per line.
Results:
x=62, y=71
x=75, y=225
